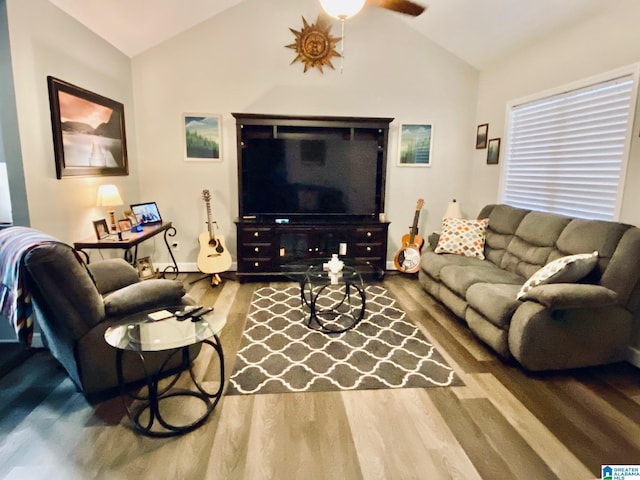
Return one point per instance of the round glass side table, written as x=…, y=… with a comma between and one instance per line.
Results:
x=140, y=334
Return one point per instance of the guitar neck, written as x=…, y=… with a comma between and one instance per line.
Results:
x=209, y=222
x=414, y=227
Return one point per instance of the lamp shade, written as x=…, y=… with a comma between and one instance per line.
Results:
x=342, y=9
x=108, y=196
x=453, y=210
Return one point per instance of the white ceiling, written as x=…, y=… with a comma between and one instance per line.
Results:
x=478, y=31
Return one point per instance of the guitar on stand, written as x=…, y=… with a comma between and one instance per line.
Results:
x=407, y=259
x=213, y=257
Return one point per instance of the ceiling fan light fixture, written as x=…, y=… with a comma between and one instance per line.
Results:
x=342, y=9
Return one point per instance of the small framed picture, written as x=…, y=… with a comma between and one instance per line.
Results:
x=493, y=151
x=415, y=145
x=145, y=268
x=101, y=228
x=201, y=137
x=481, y=136
x=124, y=224
x=131, y=217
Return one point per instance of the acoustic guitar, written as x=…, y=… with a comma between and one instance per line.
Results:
x=213, y=257
x=407, y=259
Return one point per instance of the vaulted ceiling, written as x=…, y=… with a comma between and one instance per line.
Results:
x=478, y=31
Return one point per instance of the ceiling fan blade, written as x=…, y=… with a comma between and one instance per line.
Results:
x=401, y=6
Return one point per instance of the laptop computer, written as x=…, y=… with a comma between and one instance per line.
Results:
x=146, y=213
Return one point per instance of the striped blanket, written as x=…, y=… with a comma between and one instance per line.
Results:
x=15, y=299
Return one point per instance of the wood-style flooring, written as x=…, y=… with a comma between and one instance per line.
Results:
x=503, y=424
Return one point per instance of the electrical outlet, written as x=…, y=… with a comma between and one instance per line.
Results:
x=175, y=245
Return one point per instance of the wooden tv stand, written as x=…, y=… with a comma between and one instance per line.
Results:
x=265, y=244
x=264, y=247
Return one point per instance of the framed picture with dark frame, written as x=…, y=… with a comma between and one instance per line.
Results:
x=101, y=228
x=88, y=132
x=481, y=136
x=493, y=151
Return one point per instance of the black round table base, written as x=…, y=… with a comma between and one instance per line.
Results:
x=151, y=403
x=322, y=315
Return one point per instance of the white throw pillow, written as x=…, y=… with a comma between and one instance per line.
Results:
x=463, y=237
x=562, y=270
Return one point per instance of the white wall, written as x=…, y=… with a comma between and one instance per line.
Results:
x=46, y=41
x=601, y=44
x=237, y=62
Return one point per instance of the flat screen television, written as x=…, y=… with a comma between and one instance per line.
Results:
x=296, y=178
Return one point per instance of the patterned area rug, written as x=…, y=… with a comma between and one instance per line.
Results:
x=279, y=353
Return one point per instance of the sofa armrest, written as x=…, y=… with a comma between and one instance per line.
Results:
x=144, y=295
x=571, y=295
x=113, y=274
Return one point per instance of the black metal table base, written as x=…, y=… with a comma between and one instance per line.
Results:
x=320, y=317
x=152, y=401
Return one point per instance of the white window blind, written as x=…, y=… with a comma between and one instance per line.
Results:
x=566, y=153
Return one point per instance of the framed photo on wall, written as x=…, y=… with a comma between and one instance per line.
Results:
x=415, y=145
x=493, y=151
x=202, y=137
x=481, y=136
x=88, y=132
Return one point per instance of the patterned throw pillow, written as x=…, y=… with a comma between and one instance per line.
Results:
x=463, y=237
x=563, y=270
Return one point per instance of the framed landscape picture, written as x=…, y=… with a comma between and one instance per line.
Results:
x=481, y=136
x=493, y=151
x=415, y=145
x=88, y=132
x=201, y=137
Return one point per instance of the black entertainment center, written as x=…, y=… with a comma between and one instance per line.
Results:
x=310, y=186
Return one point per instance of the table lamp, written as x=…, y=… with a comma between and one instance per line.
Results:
x=108, y=196
x=453, y=210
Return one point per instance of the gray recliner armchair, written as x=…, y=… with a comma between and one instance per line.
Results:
x=74, y=304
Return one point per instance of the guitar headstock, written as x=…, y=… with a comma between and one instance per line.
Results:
x=420, y=204
x=206, y=196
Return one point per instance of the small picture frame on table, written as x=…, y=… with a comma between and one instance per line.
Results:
x=101, y=228
x=145, y=268
x=131, y=216
x=124, y=224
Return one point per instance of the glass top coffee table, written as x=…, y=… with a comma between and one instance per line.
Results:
x=163, y=331
x=336, y=301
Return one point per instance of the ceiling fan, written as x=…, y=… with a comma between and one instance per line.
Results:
x=344, y=9
x=401, y=6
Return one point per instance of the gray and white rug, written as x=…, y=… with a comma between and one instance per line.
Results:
x=279, y=353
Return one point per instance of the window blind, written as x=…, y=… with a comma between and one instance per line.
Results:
x=565, y=153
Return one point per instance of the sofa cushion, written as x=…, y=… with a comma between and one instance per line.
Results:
x=433, y=263
x=568, y=269
x=459, y=278
x=143, y=295
x=495, y=301
x=534, y=243
x=463, y=237
x=112, y=274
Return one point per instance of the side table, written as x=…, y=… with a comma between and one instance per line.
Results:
x=130, y=241
x=139, y=334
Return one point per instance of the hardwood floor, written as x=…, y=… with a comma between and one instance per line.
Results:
x=503, y=424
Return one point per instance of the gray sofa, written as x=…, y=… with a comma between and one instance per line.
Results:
x=75, y=304
x=557, y=325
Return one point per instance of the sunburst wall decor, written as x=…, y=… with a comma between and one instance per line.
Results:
x=314, y=45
